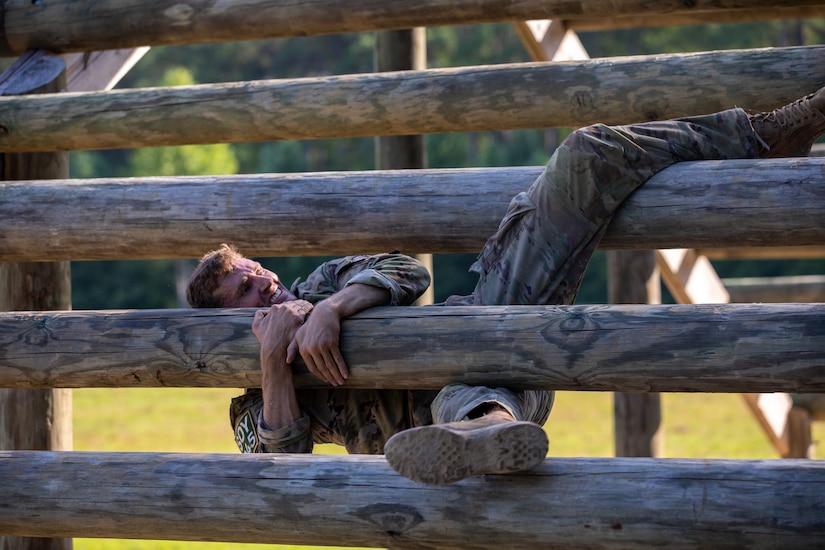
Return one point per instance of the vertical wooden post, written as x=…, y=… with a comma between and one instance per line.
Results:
x=633, y=278
x=403, y=50
x=35, y=419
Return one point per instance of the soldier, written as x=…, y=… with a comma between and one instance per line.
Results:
x=537, y=256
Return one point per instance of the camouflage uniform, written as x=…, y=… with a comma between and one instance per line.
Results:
x=538, y=256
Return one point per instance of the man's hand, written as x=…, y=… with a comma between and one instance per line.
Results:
x=275, y=328
x=318, y=340
x=318, y=344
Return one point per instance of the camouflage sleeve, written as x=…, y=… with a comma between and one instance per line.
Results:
x=253, y=436
x=405, y=277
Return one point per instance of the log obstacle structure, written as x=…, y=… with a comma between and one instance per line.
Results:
x=751, y=203
x=581, y=503
x=360, y=501
x=66, y=26
x=500, y=97
x=741, y=348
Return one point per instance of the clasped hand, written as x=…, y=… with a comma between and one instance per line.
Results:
x=288, y=330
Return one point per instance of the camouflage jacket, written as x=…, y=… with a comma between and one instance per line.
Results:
x=405, y=277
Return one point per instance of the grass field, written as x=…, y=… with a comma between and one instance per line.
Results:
x=581, y=425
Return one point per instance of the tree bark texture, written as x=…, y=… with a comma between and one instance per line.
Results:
x=743, y=203
x=361, y=501
x=709, y=348
x=66, y=25
x=35, y=419
x=496, y=97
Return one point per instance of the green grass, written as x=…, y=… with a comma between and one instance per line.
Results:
x=581, y=425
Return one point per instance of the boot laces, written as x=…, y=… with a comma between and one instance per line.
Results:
x=788, y=115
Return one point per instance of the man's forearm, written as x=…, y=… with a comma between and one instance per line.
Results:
x=355, y=298
x=280, y=402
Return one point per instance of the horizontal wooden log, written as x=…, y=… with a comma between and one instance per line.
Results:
x=64, y=26
x=749, y=203
x=360, y=501
x=778, y=12
x=768, y=253
x=710, y=348
x=799, y=288
x=500, y=97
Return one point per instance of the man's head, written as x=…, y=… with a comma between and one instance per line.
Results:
x=224, y=278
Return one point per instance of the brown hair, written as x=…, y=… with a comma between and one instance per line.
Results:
x=207, y=276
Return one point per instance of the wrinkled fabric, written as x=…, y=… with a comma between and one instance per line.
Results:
x=405, y=277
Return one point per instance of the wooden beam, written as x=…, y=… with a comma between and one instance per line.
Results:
x=403, y=50
x=634, y=278
x=765, y=253
x=64, y=26
x=35, y=419
x=548, y=40
x=800, y=288
x=511, y=96
x=709, y=348
x=360, y=501
x=690, y=277
x=774, y=202
x=92, y=71
x=751, y=15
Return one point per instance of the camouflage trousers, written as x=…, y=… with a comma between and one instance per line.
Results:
x=546, y=239
x=538, y=256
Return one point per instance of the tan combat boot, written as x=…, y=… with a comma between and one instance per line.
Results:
x=445, y=453
x=790, y=131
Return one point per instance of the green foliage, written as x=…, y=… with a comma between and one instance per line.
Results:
x=184, y=160
x=123, y=285
x=188, y=160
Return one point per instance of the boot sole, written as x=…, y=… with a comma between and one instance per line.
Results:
x=438, y=454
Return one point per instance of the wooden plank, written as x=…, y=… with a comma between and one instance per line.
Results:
x=634, y=278
x=751, y=202
x=765, y=253
x=64, y=26
x=91, y=71
x=771, y=413
x=710, y=348
x=499, y=97
x=721, y=16
x=403, y=50
x=360, y=501
x=548, y=40
x=800, y=288
x=690, y=277
x=38, y=419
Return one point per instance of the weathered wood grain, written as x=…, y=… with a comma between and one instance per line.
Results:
x=749, y=15
x=709, y=348
x=66, y=25
x=500, y=97
x=360, y=501
x=746, y=203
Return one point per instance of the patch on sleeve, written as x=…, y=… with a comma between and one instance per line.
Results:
x=246, y=436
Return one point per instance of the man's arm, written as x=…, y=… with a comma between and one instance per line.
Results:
x=274, y=328
x=404, y=277
x=317, y=341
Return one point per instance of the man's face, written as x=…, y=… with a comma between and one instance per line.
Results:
x=250, y=285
